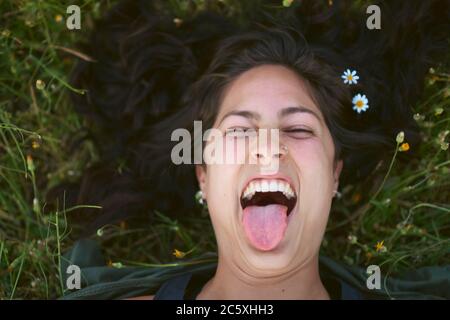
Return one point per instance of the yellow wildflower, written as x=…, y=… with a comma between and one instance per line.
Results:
x=404, y=147
x=179, y=254
x=380, y=246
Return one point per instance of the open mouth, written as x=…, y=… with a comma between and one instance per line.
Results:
x=266, y=206
x=265, y=192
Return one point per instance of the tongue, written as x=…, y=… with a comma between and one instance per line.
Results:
x=265, y=226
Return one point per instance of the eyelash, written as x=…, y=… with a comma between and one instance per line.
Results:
x=237, y=130
x=298, y=130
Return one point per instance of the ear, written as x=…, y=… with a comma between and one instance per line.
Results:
x=337, y=172
x=200, y=172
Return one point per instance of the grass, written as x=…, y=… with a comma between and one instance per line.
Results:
x=399, y=222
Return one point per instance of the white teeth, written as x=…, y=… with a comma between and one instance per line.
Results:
x=263, y=185
x=273, y=186
x=281, y=186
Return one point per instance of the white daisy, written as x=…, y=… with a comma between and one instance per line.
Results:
x=360, y=103
x=350, y=77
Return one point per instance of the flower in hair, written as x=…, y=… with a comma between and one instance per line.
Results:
x=350, y=77
x=360, y=103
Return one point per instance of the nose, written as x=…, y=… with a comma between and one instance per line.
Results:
x=266, y=151
x=261, y=154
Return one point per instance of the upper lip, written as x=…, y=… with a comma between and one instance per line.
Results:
x=269, y=177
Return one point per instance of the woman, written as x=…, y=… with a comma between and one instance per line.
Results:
x=285, y=72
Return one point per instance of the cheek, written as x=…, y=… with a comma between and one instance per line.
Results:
x=221, y=182
x=314, y=160
x=316, y=185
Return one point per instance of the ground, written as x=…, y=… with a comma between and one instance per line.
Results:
x=399, y=221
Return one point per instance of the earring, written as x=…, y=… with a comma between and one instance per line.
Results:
x=337, y=194
x=199, y=197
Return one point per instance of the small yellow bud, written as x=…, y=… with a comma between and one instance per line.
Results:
x=30, y=163
x=179, y=254
x=404, y=147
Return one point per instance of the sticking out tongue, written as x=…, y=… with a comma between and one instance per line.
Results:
x=265, y=226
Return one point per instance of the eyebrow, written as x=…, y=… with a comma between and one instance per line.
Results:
x=282, y=113
x=299, y=109
x=243, y=113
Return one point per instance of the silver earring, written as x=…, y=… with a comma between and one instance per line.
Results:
x=199, y=197
x=337, y=194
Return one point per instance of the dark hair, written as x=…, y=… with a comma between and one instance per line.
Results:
x=152, y=76
x=286, y=47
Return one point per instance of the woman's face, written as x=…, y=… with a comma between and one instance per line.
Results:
x=266, y=234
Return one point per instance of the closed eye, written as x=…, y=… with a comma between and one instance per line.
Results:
x=299, y=133
x=239, y=131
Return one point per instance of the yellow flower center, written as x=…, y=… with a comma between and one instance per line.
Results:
x=350, y=77
x=359, y=103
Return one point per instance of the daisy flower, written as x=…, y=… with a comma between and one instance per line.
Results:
x=360, y=103
x=350, y=77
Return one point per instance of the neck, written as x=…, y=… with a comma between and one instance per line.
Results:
x=231, y=283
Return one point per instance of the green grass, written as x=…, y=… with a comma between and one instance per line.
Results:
x=406, y=205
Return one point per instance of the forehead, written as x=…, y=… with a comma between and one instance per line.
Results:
x=267, y=89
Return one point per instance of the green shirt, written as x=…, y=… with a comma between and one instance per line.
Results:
x=99, y=281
